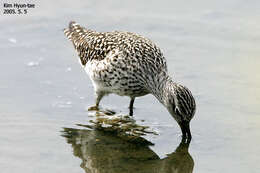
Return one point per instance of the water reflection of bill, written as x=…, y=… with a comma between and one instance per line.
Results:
x=105, y=150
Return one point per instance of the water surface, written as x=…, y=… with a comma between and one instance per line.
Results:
x=211, y=47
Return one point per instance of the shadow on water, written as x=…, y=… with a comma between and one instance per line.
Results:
x=115, y=144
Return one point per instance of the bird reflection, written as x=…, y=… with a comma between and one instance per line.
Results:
x=110, y=150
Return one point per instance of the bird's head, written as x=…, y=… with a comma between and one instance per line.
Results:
x=181, y=105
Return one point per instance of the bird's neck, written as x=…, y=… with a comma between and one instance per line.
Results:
x=161, y=87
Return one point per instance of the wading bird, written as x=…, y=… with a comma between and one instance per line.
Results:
x=129, y=64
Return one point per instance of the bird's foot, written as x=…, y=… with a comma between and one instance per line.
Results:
x=93, y=108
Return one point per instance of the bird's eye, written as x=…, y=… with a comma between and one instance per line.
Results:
x=177, y=111
x=173, y=107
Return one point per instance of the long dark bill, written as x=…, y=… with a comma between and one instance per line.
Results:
x=185, y=129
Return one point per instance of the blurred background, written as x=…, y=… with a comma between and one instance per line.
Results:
x=212, y=47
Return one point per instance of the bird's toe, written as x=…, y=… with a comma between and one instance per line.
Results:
x=93, y=108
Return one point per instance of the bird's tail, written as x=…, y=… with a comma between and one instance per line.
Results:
x=74, y=33
x=77, y=35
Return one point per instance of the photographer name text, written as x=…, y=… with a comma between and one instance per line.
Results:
x=17, y=8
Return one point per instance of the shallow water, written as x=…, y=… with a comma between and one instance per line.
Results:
x=211, y=47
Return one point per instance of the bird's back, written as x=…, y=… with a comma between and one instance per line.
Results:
x=92, y=45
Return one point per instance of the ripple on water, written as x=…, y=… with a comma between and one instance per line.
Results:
x=62, y=104
x=33, y=64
